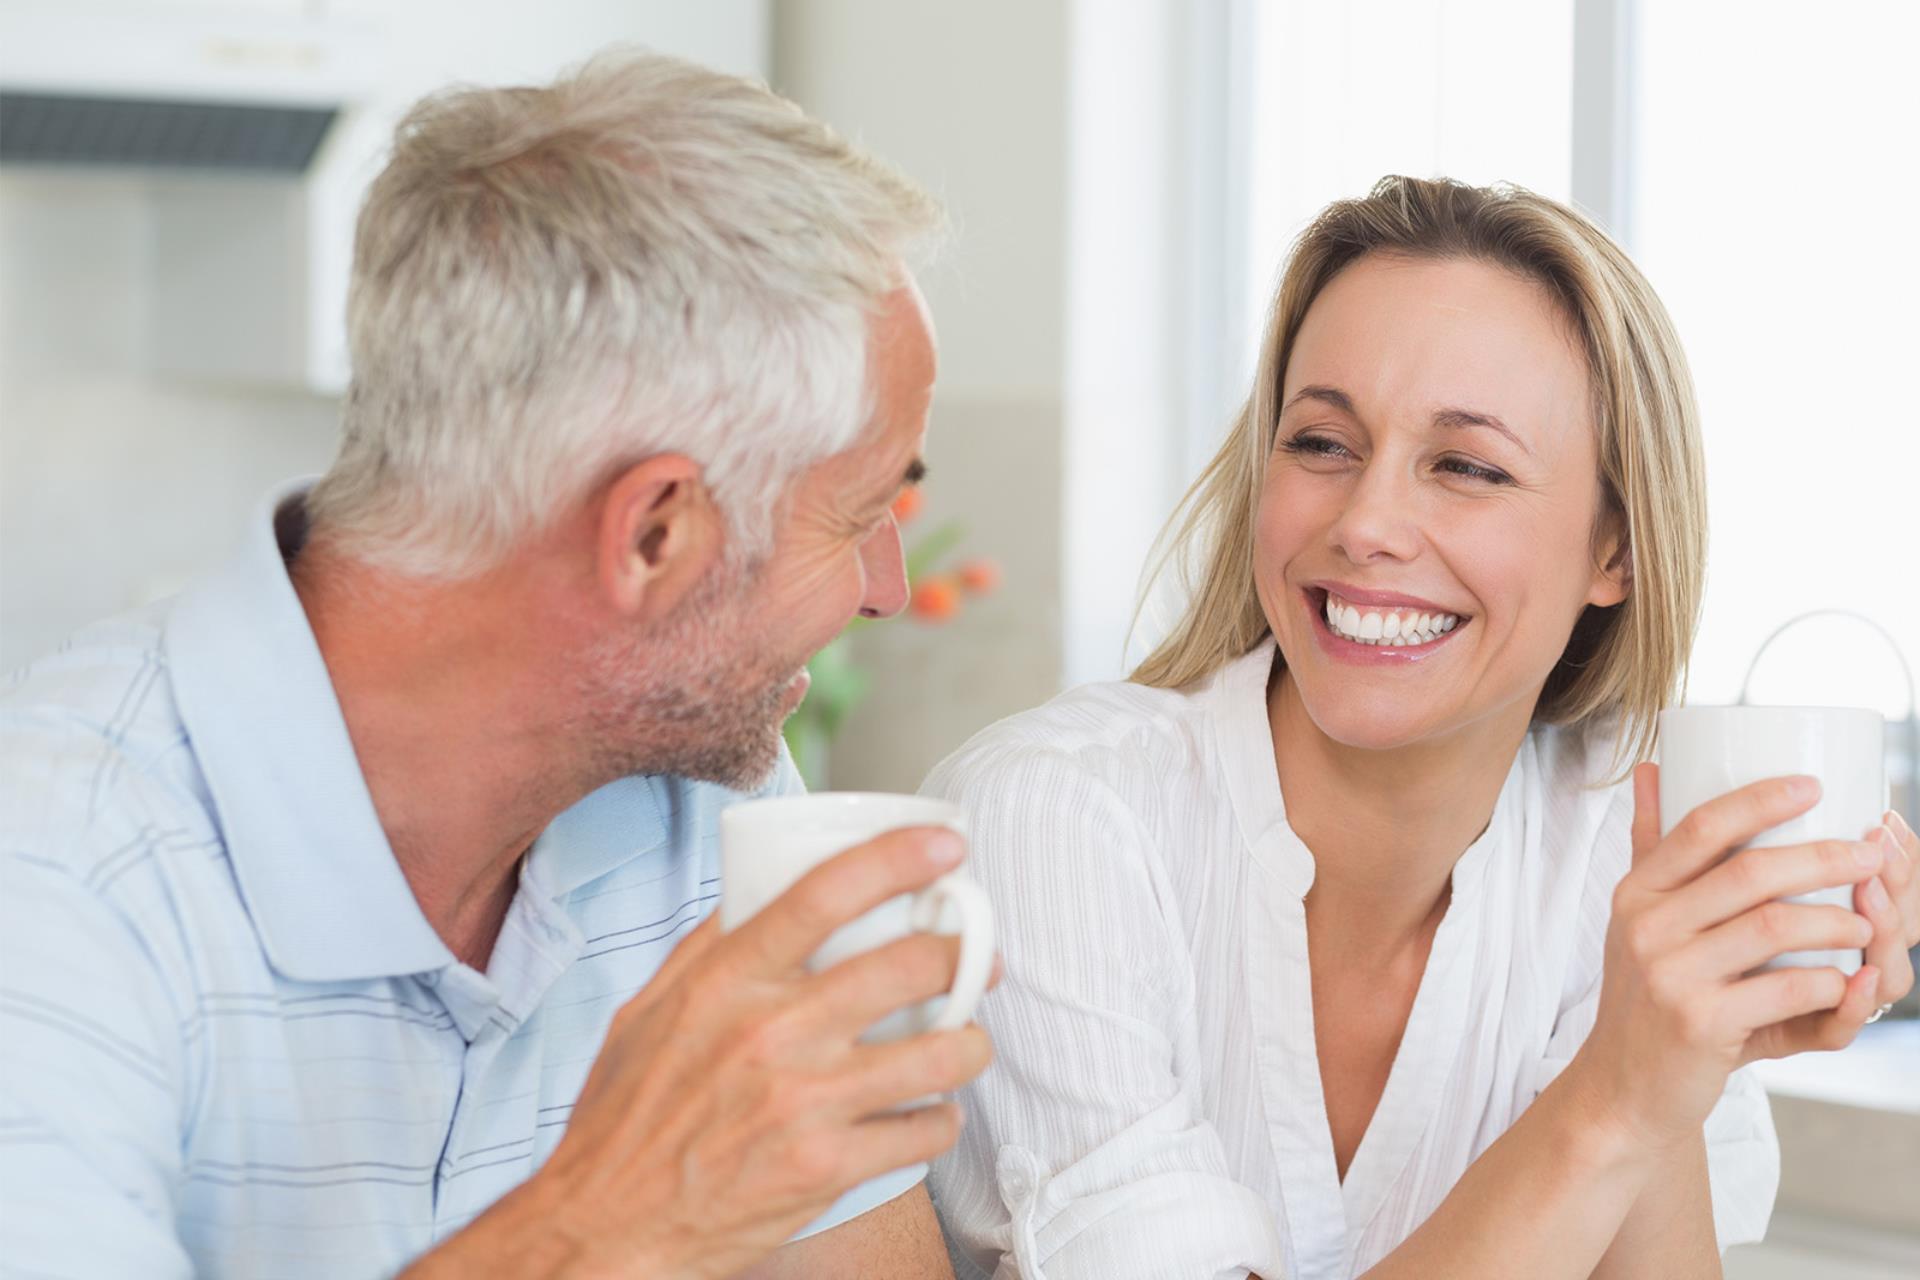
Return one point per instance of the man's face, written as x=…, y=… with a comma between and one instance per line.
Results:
x=716, y=682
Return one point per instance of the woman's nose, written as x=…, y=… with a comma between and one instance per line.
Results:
x=1378, y=520
x=885, y=567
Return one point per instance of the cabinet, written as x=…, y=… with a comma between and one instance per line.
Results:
x=251, y=273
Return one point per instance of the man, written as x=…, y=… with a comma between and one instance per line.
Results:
x=326, y=889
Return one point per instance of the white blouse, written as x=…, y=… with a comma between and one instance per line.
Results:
x=1155, y=1108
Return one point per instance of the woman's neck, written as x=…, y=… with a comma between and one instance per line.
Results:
x=1385, y=827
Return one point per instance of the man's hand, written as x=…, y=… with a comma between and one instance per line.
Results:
x=732, y=1102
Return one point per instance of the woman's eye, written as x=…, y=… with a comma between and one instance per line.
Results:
x=1474, y=471
x=1313, y=446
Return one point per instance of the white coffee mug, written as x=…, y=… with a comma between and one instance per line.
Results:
x=1705, y=752
x=767, y=845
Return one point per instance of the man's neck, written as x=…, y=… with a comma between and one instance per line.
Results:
x=457, y=717
x=1385, y=827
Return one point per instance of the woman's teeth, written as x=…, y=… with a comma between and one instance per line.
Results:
x=1403, y=628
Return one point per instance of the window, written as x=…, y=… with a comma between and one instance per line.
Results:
x=1772, y=186
x=1761, y=172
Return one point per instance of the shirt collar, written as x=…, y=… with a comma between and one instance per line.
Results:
x=313, y=863
x=626, y=819
x=1236, y=697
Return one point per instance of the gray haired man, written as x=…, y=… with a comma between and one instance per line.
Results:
x=356, y=906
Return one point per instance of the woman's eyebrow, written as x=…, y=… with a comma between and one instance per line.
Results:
x=1448, y=417
x=1474, y=418
x=1332, y=396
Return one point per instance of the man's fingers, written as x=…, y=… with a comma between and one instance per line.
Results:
x=861, y=990
x=1754, y=876
x=792, y=926
x=1773, y=929
x=883, y=1076
x=894, y=1141
x=1702, y=837
x=1887, y=951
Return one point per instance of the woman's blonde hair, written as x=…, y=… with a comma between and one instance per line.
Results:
x=1627, y=660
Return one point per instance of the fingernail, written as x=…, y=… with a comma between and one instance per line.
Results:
x=1893, y=816
x=1891, y=843
x=946, y=849
x=1876, y=895
x=1804, y=787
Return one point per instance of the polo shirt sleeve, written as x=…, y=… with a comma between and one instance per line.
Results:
x=91, y=1088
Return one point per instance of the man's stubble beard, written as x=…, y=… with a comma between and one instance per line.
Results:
x=697, y=697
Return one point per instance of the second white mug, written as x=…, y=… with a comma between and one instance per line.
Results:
x=1705, y=752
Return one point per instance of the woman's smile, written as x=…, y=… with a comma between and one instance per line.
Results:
x=1372, y=628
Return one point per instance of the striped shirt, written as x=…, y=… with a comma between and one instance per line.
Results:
x=1155, y=1108
x=230, y=1043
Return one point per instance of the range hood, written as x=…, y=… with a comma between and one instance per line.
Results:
x=184, y=89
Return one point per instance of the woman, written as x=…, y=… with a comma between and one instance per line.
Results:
x=1305, y=926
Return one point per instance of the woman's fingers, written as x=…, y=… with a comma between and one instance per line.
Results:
x=1849, y=1003
x=1646, y=810
x=1902, y=873
x=1701, y=838
x=1778, y=998
x=1771, y=929
x=1754, y=876
x=1887, y=951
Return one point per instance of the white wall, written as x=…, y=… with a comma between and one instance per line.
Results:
x=114, y=486
x=971, y=101
x=117, y=484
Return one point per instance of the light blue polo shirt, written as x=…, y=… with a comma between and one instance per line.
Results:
x=230, y=1044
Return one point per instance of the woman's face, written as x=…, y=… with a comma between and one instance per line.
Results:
x=1425, y=535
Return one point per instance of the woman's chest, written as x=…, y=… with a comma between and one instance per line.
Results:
x=1351, y=1100
x=1360, y=1022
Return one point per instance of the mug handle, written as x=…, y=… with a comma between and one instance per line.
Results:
x=976, y=943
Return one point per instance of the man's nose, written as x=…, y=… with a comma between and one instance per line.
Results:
x=885, y=567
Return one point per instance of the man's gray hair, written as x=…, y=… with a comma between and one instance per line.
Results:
x=552, y=283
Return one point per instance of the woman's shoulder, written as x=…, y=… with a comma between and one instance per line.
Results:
x=1118, y=734
x=1586, y=794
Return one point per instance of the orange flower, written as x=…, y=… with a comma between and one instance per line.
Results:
x=980, y=576
x=908, y=504
x=935, y=600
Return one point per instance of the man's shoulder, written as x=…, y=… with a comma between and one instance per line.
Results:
x=98, y=784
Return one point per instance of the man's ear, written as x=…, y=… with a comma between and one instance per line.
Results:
x=1613, y=563
x=659, y=534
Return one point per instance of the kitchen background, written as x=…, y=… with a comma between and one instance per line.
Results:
x=1124, y=177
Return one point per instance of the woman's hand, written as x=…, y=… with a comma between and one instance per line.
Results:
x=1677, y=1012
x=1891, y=902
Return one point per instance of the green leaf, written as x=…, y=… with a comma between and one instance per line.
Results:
x=924, y=555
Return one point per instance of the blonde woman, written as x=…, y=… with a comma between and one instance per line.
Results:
x=1337, y=940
